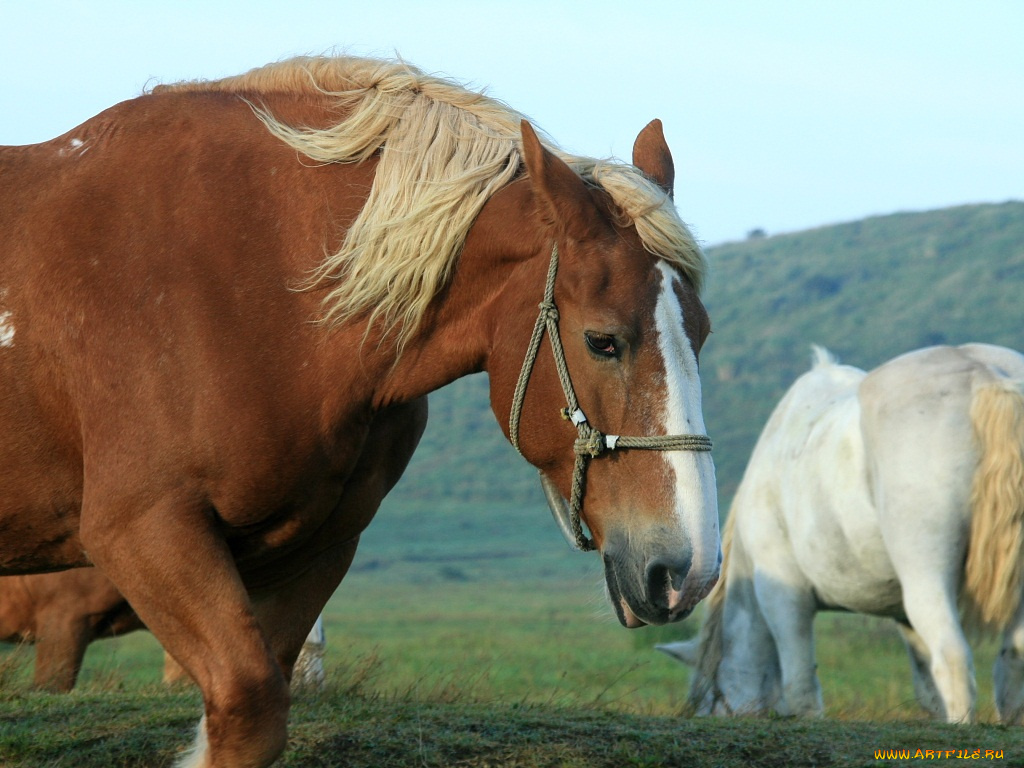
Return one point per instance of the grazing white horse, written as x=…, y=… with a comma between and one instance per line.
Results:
x=894, y=493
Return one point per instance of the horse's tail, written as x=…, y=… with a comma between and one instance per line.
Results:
x=995, y=553
x=712, y=637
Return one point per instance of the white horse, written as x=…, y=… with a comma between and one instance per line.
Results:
x=308, y=674
x=894, y=493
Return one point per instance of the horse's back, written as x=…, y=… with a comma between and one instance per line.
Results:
x=916, y=416
x=77, y=597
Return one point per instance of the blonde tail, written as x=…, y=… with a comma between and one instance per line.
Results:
x=993, y=570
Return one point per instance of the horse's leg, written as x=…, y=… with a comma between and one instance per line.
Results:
x=174, y=673
x=1008, y=672
x=289, y=611
x=931, y=609
x=920, y=665
x=788, y=606
x=177, y=571
x=308, y=672
x=60, y=648
x=922, y=526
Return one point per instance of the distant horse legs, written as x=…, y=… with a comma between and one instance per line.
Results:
x=308, y=671
x=920, y=664
x=62, y=638
x=1008, y=672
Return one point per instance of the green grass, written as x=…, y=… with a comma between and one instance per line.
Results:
x=489, y=642
x=496, y=673
x=354, y=725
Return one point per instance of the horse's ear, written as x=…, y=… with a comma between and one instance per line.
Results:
x=651, y=155
x=686, y=651
x=562, y=196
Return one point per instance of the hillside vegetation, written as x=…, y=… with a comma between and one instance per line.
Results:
x=867, y=290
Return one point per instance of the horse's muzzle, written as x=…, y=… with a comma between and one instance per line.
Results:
x=647, y=587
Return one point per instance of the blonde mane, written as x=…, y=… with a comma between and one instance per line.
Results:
x=444, y=151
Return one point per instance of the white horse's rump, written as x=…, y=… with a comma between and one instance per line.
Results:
x=869, y=493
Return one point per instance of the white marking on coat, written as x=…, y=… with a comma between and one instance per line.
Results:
x=6, y=329
x=77, y=146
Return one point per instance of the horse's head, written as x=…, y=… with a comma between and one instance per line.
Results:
x=625, y=326
x=728, y=679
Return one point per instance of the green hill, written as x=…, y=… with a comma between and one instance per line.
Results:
x=867, y=290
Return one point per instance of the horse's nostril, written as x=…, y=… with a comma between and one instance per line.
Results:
x=665, y=575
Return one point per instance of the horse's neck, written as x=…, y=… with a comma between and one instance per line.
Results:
x=750, y=668
x=497, y=285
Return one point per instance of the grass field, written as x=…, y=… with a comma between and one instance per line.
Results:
x=147, y=728
x=484, y=642
x=507, y=673
x=518, y=645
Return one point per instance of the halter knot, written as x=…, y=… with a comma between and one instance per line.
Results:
x=592, y=444
x=548, y=310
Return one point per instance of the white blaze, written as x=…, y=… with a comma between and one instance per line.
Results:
x=696, y=504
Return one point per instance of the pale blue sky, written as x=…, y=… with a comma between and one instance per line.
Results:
x=781, y=114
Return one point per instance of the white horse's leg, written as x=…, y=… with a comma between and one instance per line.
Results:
x=1008, y=672
x=787, y=604
x=918, y=433
x=924, y=534
x=932, y=611
x=308, y=673
x=920, y=664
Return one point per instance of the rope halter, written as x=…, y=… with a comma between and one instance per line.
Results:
x=590, y=442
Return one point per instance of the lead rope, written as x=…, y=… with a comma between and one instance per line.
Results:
x=590, y=442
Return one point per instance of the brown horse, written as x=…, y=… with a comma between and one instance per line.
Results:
x=223, y=304
x=61, y=613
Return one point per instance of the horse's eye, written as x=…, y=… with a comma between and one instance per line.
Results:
x=601, y=344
